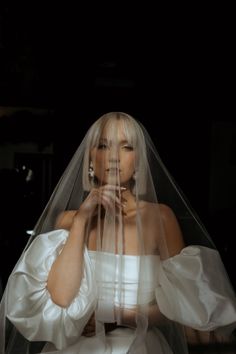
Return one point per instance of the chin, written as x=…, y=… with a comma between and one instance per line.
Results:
x=114, y=179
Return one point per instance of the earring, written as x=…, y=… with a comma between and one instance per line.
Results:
x=135, y=175
x=91, y=170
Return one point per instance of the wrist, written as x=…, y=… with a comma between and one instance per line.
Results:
x=79, y=221
x=80, y=216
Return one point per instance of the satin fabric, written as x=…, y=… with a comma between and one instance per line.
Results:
x=186, y=287
x=130, y=278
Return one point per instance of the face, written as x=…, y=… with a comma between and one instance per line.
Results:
x=114, y=158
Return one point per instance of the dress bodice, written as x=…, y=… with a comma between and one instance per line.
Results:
x=127, y=279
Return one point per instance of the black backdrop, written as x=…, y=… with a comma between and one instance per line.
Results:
x=174, y=74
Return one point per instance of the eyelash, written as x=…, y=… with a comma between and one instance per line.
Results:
x=128, y=147
x=104, y=146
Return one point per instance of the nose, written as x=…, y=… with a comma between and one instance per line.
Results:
x=114, y=155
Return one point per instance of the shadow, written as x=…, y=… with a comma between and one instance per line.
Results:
x=13, y=235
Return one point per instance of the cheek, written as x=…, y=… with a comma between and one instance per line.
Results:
x=129, y=162
x=99, y=162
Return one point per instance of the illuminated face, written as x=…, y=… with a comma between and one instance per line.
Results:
x=113, y=158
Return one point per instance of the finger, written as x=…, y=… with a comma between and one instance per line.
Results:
x=117, y=192
x=113, y=194
x=112, y=187
x=107, y=203
x=107, y=198
x=113, y=197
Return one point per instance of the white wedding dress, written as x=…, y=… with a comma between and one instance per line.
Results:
x=186, y=287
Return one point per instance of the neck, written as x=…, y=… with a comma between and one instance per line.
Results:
x=128, y=200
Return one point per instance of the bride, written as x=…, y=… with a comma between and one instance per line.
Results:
x=118, y=261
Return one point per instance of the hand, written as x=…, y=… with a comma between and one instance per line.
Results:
x=108, y=196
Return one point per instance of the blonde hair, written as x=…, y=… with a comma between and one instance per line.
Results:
x=134, y=136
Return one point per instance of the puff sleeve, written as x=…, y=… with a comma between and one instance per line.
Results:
x=194, y=290
x=30, y=307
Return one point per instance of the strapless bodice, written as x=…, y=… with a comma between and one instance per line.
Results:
x=126, y=280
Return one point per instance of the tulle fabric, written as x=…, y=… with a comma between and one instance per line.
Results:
x=118, y=237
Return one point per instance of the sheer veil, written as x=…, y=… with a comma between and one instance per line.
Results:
x=138, y=231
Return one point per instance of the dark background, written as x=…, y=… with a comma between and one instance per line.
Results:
x=61, y=68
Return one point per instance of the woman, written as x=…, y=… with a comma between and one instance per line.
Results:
x=118, y=262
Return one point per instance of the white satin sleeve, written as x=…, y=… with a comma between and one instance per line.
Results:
x=29, y=305
x=194, y=290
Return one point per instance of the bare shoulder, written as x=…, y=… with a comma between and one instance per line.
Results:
x=173, y=232
x=171, y=227
x=165, y=211
x=64, y=219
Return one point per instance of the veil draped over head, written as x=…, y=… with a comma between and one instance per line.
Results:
x=119, y=163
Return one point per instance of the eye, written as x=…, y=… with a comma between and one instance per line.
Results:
x=102, y=146
x=128, y=147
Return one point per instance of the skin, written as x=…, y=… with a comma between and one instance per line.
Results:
x=108, y=159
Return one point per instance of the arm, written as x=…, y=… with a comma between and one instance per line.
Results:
x=66, y=272
x=173, y=235
x=65, y=276
x=30, y=307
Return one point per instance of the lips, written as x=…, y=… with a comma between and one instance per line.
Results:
x=113, y=170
